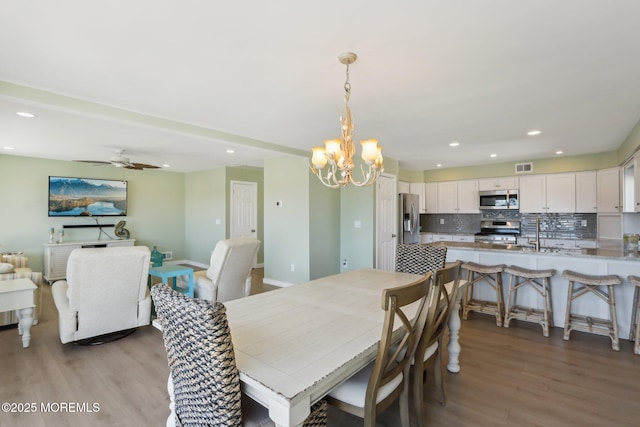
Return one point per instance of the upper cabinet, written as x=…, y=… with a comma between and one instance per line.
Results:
x=504, y=183
x=431, y=197
x=404, y=187
x=418, y=188
x=608, y=190
x=548, y=193
x=457, y=196
x=586, y=199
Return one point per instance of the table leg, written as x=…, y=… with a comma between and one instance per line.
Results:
x=171, y=419
x=25, y=320
x=454, y=328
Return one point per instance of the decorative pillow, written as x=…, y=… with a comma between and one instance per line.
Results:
x=6, y=268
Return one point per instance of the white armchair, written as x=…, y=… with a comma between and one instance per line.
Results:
x=229, y=273
x=105, y=291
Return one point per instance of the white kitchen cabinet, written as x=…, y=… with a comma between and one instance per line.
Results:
x=447, y=197
x=586, y=200
x=431, y=197
x=418, y=188
x=503, y=183
x=636, y=181
x=608, y=190
x=442, y=238
x=458, y=197
x=426, y=238
x=463, y=238
x=404, y=187
x=56, y=255
x=548, y=193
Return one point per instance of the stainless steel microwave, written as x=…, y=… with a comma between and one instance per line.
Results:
x=499, y=199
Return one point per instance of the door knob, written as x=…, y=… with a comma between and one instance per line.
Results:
x=253, y=231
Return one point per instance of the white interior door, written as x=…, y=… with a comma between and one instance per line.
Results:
x=386, y=222
x=244, y=209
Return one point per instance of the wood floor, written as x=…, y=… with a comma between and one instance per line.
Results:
x=510, y=377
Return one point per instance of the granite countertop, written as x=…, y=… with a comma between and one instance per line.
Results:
x=605, y=250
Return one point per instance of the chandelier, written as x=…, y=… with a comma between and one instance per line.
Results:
x=338, y=154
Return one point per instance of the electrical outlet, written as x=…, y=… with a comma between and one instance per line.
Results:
x=357, y=224
x=344, y=263
x=167, y=255
x=293, y=267
x=441, y=221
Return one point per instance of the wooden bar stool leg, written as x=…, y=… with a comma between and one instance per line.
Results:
x=547, y=282
x=468, y=294
x=499, y=299
x=509, y=304
x=567, y=320
x=615, y=342
x=633, y=333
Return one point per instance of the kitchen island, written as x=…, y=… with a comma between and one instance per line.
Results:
x=607, y=259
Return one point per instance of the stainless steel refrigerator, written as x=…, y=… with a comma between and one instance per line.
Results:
x=409, y=230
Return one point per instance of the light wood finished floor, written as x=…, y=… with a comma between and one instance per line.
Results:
x=510, y=377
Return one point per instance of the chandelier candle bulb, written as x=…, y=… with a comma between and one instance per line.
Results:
x=370, y=152
x=319, y=158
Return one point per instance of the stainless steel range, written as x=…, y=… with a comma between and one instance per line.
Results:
x=500, y=232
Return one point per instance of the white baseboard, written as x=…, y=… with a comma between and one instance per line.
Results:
x=259, y=265
x=277, y=283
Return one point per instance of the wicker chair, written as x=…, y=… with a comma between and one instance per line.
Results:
x=206, y=382
x=420, y=259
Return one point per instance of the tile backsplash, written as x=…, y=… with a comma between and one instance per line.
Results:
x=552, y=226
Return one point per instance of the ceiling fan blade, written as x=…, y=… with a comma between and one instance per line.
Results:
x=143, y=166
x=96, y=162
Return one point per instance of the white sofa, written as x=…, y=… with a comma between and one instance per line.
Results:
x=105, y=291
x=229, y=273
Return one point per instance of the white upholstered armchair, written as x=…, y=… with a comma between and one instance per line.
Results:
x=229, y=273
x=105, y=291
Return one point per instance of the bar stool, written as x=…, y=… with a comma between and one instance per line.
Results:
x=540, y=281
x=491, y=274
x=634, y=331
x=607, y=327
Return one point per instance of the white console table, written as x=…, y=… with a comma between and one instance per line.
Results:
x=57, y=254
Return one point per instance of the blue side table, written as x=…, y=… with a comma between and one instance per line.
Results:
x=167, y=272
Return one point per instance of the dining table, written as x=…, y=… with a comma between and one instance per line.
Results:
x=293, y=345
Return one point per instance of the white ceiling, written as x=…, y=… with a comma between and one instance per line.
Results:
x=205, y=76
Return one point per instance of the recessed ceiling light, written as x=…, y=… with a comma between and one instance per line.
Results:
x=439, y=165
x=230, y=151
x=454, y=144
x=9, y=148
x=534, y=132
x=25, y=114
x=166, y=165
x=559, y=152
x=494, y=155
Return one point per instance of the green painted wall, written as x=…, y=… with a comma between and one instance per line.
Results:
x=630, y=144
x=324, y=220
x=286, y=228
x=205, y=205
x=155, y=212
x=540, y=166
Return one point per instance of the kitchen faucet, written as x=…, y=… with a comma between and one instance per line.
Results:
x=537, y=241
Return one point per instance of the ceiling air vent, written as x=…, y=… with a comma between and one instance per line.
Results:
x=524, y=167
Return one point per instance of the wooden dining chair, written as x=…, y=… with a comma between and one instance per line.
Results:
x=386, y=379
x=429, y=349
x=203, y=374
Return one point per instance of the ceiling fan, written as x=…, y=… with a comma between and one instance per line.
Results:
x=121, y=161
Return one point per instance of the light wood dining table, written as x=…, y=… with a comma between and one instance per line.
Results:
x=295, y=344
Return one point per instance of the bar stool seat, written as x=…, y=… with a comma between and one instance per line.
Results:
x=540, y=281
x=593, y=284
x=634, y=331
x=492, y=275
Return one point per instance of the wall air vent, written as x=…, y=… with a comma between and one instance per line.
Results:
x=524, y=167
